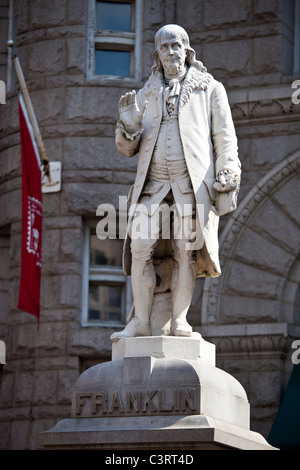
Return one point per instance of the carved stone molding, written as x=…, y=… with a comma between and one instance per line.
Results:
x=252, y=344
x=266, y=109
x=274, y=339
x=240, y=221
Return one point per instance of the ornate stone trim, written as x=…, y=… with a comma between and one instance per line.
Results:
x=255, y=339
x=240, y=220
x=253, y=108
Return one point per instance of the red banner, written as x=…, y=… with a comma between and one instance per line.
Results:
x=32, y=217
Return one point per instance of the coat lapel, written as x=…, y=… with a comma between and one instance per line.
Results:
x=195, y=80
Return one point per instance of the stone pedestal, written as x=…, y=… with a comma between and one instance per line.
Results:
x=159, y=393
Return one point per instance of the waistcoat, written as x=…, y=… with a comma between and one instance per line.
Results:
x=168, y=169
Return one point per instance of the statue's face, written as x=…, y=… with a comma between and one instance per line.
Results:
x=172, y=52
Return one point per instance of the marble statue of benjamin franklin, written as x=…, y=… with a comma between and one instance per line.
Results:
x=181, y=127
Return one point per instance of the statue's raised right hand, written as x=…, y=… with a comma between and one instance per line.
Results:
x=130, y=114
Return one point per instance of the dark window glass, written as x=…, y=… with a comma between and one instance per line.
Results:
x=105, y=302
x=105, y=252
x=114, y=16
x=110, y=62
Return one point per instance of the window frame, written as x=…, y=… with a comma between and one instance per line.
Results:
x=105, y=275
x=115, y=40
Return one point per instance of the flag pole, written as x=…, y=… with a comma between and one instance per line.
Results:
x=30, y=110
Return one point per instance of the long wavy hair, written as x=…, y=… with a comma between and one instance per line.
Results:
x=190, y=53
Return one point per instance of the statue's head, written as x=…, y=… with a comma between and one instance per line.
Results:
x=173, y=30
x=172, y=49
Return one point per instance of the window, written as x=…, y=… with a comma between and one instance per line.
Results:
x=107, y=294
x=114, y=38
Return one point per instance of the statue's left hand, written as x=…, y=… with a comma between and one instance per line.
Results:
x=226, y=181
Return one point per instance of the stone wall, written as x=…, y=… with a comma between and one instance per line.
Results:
x=246, y=45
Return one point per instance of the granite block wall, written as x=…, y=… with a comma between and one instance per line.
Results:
x=249, y=47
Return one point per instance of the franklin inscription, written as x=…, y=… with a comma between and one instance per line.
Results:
x=139, y=402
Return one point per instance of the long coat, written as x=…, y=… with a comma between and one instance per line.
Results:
x=209, y=145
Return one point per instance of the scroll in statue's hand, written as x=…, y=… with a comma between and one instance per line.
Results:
x=227, y=188
x=226, y=181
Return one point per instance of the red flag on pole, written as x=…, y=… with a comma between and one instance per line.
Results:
x=32, y=216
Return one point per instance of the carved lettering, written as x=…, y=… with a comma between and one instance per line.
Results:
x=116, y=403
x=147, y=400
x=138, y=402
x=133, y=402
x=161, y=402
x=79, y=401
x=99, y=403
x=176, y=400
x=188, y=400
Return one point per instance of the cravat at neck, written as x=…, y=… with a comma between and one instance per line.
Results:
x=172, y=93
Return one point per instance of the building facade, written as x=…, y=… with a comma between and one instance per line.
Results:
x=78, y=58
